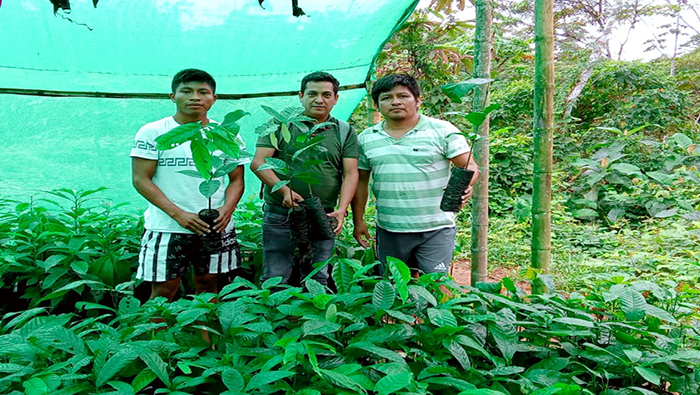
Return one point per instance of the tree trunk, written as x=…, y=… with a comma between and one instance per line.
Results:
x=480, y=209
x=543, y=135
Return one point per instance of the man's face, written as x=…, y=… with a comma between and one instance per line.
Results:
x=398, y=103
x=318, y=99
x=193, y=99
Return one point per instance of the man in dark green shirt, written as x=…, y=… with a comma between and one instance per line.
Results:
x=337, y=175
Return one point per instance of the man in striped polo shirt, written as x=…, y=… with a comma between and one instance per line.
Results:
x=409, y=156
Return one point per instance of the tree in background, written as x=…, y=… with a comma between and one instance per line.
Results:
x=543, y=137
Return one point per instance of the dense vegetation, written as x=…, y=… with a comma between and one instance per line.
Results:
x=622, y=315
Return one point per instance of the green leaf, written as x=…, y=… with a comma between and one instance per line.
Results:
x=584, y=213
x=63, y=290
x=441, y=317
x=633, y=305
x=209, y=187
x=481, y=391
x=278, y=185
x=232, y=118
x=318, y=327
x=626, y=168
x=224, y=170
x=286, y=135
x=178, y=135
x=276, y=115
x=661, y=314
x=682, y=140
x=272, y=164
x=383, y=296
x=264, y=378
x=342, y=276
x=226, y=145
x=201, y=157
x=633, y=354
x=457, y=90
x=233, y=379
x=401, y=274
x=36, y=386
x=80, y=267
x=155, y=363
x=379, y=351
x=392, y=383
x=341, y=380
x=459, y=353
x=574, y=322
x=190, y=173
x=122, y=388
x=648, y=375
x=475, y=118
x=142, y=379
x=419, y=292
x=22, y=317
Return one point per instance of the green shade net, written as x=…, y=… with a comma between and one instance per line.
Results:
x=74, y=93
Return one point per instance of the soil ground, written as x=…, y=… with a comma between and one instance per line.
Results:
x=461, y=271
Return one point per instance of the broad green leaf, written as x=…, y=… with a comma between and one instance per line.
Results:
x=391, y=384
x=227, y=146
x=80, y=267
x=278, y=185
x=574, y=322
x=143, y=379
x=286, y=135
x=506, y=371
x=36, y=386
x=459, y=353
x=450, y=382
x=341, y=380
x=379, y=351
x=122, y=388
x=276, y=115
x=383, y=296
x=155, y=363
x=272, y=164
x=402, y=316
x=22, y=317
x=261, y=379
x=202, y=158
x=177, y=136
x=420, y=293
x=273, y=140
x=304, y=149
x=475, y=118
x=232, y=118
x=633, y=354
x=682, y=140
x=401, y=274
x=648, y=375
x=633, y=305
x=441, y=317
x=342, y=276
x=457, y=90
x=63, y=290
x=318, y=327
x=661, y=314
x=482, y=391
x=233, y=379
x=209, y=187
x=190, y=173
x=584, y=213
x=224, y=170
x=626, y=168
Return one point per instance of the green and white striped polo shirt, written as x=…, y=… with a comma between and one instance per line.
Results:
x=410, y=174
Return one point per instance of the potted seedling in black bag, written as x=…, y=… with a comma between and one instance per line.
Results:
x=211, y=144
x=297, y=157
x=460, y=178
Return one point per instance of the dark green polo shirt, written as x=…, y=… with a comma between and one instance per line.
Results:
x=328, y=171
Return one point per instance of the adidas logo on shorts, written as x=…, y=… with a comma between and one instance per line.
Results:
x=440, y=267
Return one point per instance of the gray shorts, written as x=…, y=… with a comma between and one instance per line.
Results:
x=428, y=252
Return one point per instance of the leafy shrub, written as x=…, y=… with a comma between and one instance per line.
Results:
x=77, y=246
x=376, y=335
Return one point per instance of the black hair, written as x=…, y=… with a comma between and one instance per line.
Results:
x=388, y=82
x=193, y=75
x=319, y=76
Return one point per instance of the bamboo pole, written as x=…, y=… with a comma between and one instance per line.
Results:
x=543, y=126
x=480, y=206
